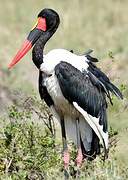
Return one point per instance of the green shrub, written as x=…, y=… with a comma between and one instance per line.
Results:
x=28, y=149
x=25, y=149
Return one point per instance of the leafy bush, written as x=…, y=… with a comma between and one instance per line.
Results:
x=28, y=149
x=25, y=149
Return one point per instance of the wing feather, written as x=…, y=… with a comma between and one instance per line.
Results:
x=102, y=80
x=77, y=87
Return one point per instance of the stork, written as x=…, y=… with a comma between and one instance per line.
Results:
x=73, y=87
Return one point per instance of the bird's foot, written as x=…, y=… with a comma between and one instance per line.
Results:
x=79, y=158
x=66, y=159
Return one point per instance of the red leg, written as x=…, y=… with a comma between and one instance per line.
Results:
x=79, y=157
x=66, y=155
x=79, y=152
x=66, y=158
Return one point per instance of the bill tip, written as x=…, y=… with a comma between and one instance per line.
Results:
x=9, y=66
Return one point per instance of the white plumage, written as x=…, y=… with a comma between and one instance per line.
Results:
x=55, y=56
x=62, y=106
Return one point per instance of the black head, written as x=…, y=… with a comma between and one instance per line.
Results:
x=52, y=18
x=47, y=23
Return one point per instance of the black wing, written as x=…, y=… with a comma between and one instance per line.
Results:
x=43, y=90
x=104, y=81
x=90, y=58
x=77, y=87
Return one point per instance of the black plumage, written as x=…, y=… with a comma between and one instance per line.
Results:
x=43, y=90
x=100, y=79
x=90, y=58
x=77, y=87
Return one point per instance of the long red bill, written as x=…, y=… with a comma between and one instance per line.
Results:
x=27, y=45
x=33, y=36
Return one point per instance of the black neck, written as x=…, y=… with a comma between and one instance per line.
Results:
x=37, y=52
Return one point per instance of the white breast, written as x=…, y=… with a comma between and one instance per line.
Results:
x=55, y=56
x=62, y=106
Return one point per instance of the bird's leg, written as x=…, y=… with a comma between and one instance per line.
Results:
x=66, y=156
x=79, y=152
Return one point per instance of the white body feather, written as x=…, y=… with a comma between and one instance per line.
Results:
x=62, y=108
x=55, y=56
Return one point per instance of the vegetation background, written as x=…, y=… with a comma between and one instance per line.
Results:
x=27, y=148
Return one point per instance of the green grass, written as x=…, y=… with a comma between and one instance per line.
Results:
x=99, y=25
x=28, y=149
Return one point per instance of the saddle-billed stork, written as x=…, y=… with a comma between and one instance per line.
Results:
x=74, y=89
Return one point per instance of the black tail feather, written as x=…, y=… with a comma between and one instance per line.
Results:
x=95, y=148
x=101, y=76
x=114, y=90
